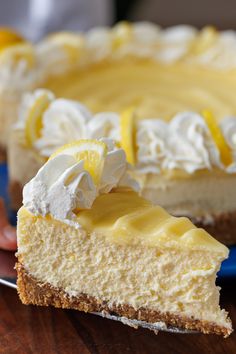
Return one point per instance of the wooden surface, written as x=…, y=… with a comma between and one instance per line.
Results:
x=29, y=329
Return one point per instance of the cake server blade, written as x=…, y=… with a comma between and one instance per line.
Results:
x=156, y=327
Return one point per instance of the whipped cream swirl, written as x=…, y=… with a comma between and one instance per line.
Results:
x=184, y=143
x=64, y=121
x=62, y=185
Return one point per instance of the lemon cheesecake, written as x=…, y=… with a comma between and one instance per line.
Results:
x=171, y=94
x=186, y=165
x=88, y=241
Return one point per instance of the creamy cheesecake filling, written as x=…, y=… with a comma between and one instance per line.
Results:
x=166, y=279
x=203, y=196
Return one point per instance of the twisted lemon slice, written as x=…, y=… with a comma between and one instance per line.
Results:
x=9, y=38
x=204, y=41
x=217, y=136
x=128, y=134
x=33, y=123
x=72, y=44
x=122, y=34
x=92, y=152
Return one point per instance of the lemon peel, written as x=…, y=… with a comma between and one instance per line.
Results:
x=225, y=151
x=92, y=152
x=128, y=133
x=33, y=122
x=122, y=34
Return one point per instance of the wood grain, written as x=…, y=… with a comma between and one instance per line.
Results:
x=29, y=329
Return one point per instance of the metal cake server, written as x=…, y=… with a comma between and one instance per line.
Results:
x=156, y=327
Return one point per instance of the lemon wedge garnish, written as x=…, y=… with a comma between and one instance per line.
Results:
x=9, y=38
x=72, y=44
x=19, y=52
x=206, y=39
x=217, y=136
x=128, y=134
x=122, y=34
x=92, y=152
x=33, y=122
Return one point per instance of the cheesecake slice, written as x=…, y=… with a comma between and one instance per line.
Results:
x=88, y=241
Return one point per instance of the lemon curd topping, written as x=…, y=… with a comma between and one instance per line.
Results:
x=157, y=90
x=125, y=217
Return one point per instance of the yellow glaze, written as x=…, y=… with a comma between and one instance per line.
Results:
x=157, y=90
x=126, y=218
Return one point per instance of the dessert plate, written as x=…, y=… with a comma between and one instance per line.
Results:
x=228, y=268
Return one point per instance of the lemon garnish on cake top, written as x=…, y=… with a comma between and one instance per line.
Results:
x=8, y=37
x=34, y=116
x=216, y=133
x=72, y=43
x=91, y=152
x=128, y=133
x=122, y=34
x=206, y=39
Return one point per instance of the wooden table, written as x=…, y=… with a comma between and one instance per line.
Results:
x=29, y=329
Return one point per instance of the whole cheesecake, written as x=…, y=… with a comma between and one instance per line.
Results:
x=171, y=94
x=88, y=241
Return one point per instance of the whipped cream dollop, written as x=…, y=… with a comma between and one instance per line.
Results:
x=62, y=185
x=64, y=121
x=183, y=143
x=221, y=53
x=18, y=69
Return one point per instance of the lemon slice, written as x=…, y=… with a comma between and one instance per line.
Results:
x=128, y=134
x=9, y=38
x=17, y=53
x=92, y=152
x=122, y=34
x=217, y=136
x=33, y=122
x=206, y=39
x=72, y=44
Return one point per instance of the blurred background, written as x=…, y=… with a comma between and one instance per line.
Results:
x=35, y=18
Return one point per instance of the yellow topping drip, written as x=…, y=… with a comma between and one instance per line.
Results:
x=128, y=134
x=224, y=149
x=9, y=38
x=125, y=217
x=92, y=152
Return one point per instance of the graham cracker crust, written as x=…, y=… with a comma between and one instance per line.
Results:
x=3, y=154
x=34, y=292
x=15, y=192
